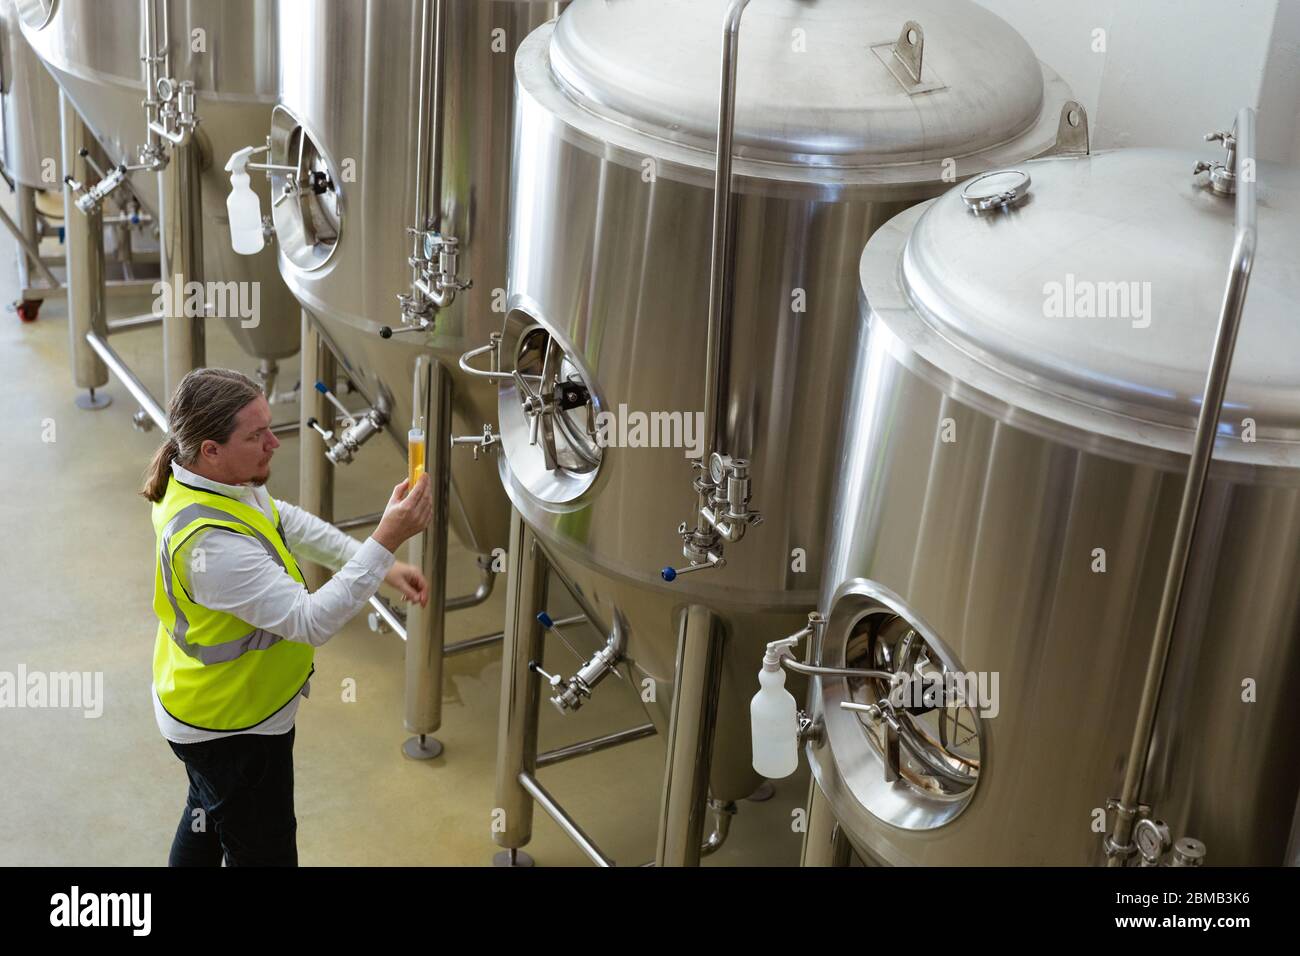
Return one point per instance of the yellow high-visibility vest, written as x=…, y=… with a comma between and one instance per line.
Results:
x=210, y=669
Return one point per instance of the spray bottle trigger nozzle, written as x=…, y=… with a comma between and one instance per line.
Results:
x=239, y=158
x=778, y=649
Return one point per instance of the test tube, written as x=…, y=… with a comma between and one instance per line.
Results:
x=414, y=455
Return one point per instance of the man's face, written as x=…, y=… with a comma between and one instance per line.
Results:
x=245, y=458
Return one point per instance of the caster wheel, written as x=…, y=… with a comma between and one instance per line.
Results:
x=28, y=309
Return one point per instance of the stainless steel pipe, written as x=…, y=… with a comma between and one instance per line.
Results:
x=84, y=237
x=315, y=473
x=595, y=745
x=566, y=822
x=521, y=687
x=30, y=254
x=133, y=385
x=1207, y=429
x=425, y=626
x=717, y=348
x=180, y=237
x=690, y=738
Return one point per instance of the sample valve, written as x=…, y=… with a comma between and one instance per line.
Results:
x=570, y=695
x=357, y=430
x=486, y=442
x=88, y=199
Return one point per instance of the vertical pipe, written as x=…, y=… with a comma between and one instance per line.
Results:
x=718, y=342
x=824, y=842
x=690, y=738
x=315, y=473
x=433, y=201
x=425, y=625
x=148, y=14
x=84, y=248
x=428, y=132
x=520, y=687
x=1198, y=468
x=27, y=226
x=180, y=216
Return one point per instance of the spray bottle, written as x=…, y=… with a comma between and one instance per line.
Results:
x=245, y=211
x=774, y=719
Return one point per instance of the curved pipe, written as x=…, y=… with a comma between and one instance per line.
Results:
x=817, y=670
x=722, y=814
x=486, y=580
x=176, y=139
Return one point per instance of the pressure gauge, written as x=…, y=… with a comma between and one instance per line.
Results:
x=718, y=468
x=1152, y=838
x=165, y=89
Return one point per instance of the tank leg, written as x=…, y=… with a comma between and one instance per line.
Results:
x=84, y=239
x=512, y=817
x=690, y=738
x=824, y=842
x=315, y=472
x=181, y=242
x=27, y=225
x=425, y=626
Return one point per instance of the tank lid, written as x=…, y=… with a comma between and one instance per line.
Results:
x=837, y=83
x=1101, y=288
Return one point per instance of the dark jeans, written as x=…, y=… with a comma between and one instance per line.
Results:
x=244, y=787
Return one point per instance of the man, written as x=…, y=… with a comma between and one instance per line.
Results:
x=237, y=626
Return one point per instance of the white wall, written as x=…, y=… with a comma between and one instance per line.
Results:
x=1172, y=70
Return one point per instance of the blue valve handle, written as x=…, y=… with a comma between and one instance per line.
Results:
x=545, y=620
x=322, y=388
x=668, y=574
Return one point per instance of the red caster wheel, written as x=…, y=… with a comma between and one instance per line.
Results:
x=28, y=309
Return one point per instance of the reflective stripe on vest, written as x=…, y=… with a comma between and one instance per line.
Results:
x=255, y=640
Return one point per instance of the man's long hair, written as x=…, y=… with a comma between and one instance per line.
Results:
x=204, y=406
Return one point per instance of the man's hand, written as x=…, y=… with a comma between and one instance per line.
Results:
x=406, y=515
x=408, y=579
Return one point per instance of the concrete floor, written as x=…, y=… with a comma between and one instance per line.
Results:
x=77, y=576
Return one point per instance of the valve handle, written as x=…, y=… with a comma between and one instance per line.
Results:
x=668, y=574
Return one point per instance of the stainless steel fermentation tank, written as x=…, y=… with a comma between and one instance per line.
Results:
x=389, y=162
x=844, y=114
x=1025, y=388
x=31, y=150
x=208, y=84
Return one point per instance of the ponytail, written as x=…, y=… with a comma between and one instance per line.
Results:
x=159, y=470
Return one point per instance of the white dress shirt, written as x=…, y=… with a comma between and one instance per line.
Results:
x=239, y=576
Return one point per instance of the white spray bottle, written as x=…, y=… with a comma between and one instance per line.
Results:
x=245, y=211
x=774, y=718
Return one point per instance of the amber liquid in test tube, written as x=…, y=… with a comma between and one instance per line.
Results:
x=414, y=455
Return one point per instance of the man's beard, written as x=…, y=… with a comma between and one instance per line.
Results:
x=260, y=480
